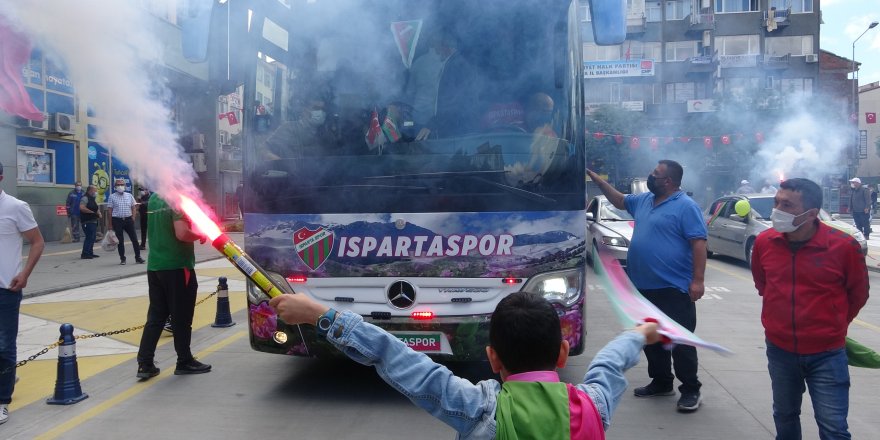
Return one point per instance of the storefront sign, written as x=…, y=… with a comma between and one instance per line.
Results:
x=700, y=105
x=633, y=106
x=616, y=69
x=61, y=210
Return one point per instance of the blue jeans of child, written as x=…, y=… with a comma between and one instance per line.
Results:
x=827, y=376
x=10, y=302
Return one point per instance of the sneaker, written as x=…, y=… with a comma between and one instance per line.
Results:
x=689, y=402
x=653, y=390
x=96, y=256
x=168, y=327
x=192, y=367
x=122, y=262
x=4, y=413
x=86, y=257
x=146, y=371
x=143, y=247
x=139, y=260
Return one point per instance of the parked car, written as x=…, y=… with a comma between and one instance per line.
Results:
x=733, y=235
x=610, y=226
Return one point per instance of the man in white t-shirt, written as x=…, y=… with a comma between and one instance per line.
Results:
x=16, y=221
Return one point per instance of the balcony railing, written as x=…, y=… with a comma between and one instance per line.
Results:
x=781, y=62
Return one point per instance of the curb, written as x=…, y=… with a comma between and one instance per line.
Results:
x=32, y=294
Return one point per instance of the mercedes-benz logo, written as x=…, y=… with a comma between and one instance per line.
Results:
x=401, y=295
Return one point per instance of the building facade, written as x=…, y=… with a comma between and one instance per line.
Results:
x=869, y=134
x=43, y=160
x=685, y=59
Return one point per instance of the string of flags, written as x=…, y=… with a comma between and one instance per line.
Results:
x=654, y=142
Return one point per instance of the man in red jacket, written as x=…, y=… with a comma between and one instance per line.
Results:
x=813, y=280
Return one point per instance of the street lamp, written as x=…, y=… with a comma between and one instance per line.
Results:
x=855, y=81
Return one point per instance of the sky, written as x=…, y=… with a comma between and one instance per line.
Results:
x=844, y=21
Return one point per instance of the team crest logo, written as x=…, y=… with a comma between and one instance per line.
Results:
x=313, y=247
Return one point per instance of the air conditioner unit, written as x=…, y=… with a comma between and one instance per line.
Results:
x=63, y=123
x=811, y=58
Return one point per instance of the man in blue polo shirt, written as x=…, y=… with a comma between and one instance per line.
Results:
x=666, y=262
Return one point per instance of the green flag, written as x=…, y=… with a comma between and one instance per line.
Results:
x=860, y=356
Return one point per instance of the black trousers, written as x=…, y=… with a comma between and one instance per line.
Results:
x=682, y=310
x=126, y=224
x=172, y=292
x=863, y=222
x=143, y=229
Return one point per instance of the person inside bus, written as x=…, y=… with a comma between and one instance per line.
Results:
x=305, y=136
x=443, y=91
x=525, y=348
x=539, y=115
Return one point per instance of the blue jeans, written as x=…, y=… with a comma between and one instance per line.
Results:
x=9, y=305
x=89, y=229
x=827, y=375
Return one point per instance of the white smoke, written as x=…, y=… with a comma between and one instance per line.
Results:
x=107, y=49
x=802, y=145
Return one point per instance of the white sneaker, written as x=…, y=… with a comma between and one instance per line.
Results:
x=4, y=413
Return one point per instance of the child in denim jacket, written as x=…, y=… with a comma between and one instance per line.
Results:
x=526, y=347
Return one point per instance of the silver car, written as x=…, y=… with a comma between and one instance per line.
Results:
x=733, y=235
x=608, y=225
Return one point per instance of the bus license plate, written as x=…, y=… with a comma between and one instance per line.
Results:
x=429, y=342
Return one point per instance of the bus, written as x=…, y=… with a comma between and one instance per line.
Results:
x=415, y=161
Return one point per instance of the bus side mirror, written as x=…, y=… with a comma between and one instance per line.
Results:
x=609, y=21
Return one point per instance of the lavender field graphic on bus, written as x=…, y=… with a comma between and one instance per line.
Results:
x=488, y=244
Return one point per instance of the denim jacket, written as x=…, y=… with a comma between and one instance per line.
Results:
x=466, y=407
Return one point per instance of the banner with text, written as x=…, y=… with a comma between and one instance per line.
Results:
x=616, y=69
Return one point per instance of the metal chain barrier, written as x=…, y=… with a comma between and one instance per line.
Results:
x=45, y=350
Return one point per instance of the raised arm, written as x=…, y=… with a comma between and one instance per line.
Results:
x=613, y=195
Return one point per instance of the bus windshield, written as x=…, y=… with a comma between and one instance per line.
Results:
x=420, y=106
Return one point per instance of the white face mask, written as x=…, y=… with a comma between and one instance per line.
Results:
x=78, y=188
x=784, y=222
x=120, y=189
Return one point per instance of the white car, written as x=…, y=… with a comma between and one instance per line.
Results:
x=610, y=226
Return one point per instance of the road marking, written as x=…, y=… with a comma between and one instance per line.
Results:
x=866, y=325
x=733, y=274
x=132, y=391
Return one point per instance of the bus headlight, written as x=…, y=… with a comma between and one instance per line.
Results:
x=562, y=287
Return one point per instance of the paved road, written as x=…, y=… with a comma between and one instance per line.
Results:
x=254, y=395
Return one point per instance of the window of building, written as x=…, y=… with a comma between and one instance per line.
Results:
x=739, y=86
x=638, y=92
x=641, y=50
x=797, y=6
x=738, y=45
x=593, y=52
x=683, y=92
x=678, y=9
x=680, y=50
x=653, y=11
x=722, y=6
x=796, y=86
x=796, y=46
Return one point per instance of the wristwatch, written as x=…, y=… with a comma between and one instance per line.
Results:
x=325, y=321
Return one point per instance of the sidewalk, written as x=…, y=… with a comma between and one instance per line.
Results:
x=60, y=267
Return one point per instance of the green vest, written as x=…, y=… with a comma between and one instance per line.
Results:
x=533, y=410
x=166, y=251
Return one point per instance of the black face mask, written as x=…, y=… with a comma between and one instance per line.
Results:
x=652, y=185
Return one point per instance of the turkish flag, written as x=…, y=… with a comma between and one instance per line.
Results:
x=230, y=116
x=655, y=142
x=684, y=139
x=634, y=142
x=598, y=136
x=759, y=137
x=725, y=139
x=618, y=138
x=871, y=118
x=707, y=142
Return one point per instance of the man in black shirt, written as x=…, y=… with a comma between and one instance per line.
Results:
x=89, y=215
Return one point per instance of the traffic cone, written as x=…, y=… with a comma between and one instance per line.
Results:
x=66, y=236
x=67, y=388
x=223, y=317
